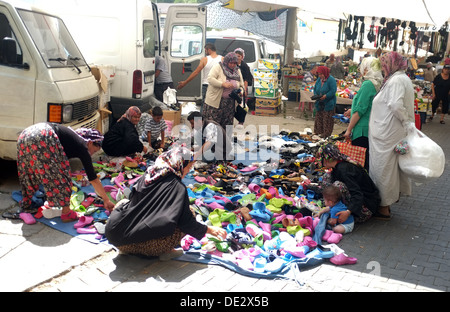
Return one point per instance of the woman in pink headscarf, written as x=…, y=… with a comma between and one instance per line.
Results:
x=392, y=112
x=123, y=139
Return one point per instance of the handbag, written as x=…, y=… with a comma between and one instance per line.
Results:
x=240, y=113
x=355, y=152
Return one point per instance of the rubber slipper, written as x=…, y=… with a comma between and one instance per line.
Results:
x=334, y=238
x=11, y=215
x=320, y=253
x=253, y=187
x=100, y=227
x=248, y=169
x=342, y=259
x=260, y=215
x=27, y=218
x=86, y=231
x=83, y=221
x=69, y=217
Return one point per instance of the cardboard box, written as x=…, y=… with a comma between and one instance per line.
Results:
x=172, y=115
x=267, y=93
x=267, y=110
x=264, y=74
x=270, y=64
x=103, y=122
x=267, y=102
x=265, y=83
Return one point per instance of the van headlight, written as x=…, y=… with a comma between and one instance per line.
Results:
x=59, y=113
x=67, y=113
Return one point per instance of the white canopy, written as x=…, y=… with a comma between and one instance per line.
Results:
x=431, y=12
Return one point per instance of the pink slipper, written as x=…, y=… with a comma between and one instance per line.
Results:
x=248, y=169
x=200, y=179
x=327, y=235
x=83, y=221
x=342, y=259
x=27, y=218
x=86, y=231
x=334, y=238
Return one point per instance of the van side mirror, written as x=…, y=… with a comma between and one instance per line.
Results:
x=9, y=53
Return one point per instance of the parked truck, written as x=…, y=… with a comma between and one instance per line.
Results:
x=43, y=75
x=125, y=35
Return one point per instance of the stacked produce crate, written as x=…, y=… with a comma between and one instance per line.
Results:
x=267, y=93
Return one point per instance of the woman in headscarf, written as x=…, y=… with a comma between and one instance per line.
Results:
x=325, y=87
x=43, y=152
x=392, y=112
x=360, y=193
x=222, y=80
x=358, y=127
x=123, y=139
x=157, y=216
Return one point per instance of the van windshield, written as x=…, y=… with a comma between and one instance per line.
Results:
x=53, y=40
x=225, y=45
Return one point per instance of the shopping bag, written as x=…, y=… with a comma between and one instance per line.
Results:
x=356, y=153
x=170, y=96
x=421, y=159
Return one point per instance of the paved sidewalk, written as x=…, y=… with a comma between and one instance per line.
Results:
x=409, y=253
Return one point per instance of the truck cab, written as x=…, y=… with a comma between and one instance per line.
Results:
x=43, y=75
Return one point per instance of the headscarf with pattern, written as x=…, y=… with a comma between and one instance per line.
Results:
x=131, y=112
x=230, y=73
x=172, y=161
x=331, y=152
x=88, y=134
x=392, y=62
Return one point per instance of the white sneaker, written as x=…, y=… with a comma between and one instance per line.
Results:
x=51, y=213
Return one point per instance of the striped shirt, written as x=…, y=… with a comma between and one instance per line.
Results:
x=155, y=128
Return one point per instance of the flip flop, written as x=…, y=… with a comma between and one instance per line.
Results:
x=27, y=218
x=342, y=259
x=83, y=221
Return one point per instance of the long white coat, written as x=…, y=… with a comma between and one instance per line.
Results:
x=392, y=110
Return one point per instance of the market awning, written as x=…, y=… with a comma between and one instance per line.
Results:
x=431, y=12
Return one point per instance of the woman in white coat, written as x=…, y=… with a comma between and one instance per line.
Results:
x=222, y=80
x=392, y=111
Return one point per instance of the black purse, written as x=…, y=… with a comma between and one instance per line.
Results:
x=240, y=114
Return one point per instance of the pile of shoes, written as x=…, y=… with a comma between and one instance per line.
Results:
x=260, y=206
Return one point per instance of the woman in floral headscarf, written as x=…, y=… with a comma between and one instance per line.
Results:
x=123, y=139
x=360, y=194
x=43, y=152
x=222, y=80
x=157, y=216
x=358, y=127
x=326, y=88
x=392, y=112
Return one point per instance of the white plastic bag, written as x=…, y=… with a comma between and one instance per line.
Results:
x=424, y=160
x=170, y=96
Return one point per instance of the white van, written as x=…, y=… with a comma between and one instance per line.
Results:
x=254, y=47
x=43, y=75
x=122, y=35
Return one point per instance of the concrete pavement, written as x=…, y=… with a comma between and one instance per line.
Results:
x=409, y=253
